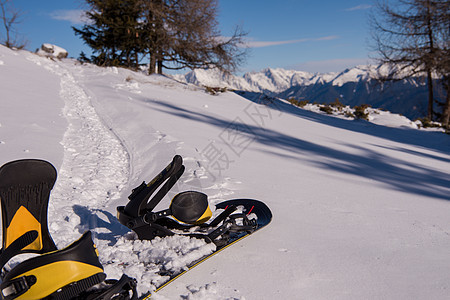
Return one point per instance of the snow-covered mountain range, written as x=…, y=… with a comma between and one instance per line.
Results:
x=355, y=86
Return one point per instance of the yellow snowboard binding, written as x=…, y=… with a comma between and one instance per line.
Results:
x=72, y=273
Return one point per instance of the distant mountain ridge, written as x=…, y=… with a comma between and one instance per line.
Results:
x=354, y=86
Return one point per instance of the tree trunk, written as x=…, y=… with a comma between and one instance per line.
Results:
x=446, y=111
x=6, y=23
x=160, y=66
x=430, y=95
x=152, y=64
x=136, y=61
x=431, y=56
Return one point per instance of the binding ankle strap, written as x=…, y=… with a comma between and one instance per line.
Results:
x=15, y=247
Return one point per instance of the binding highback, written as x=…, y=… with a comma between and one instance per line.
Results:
x=25, y=187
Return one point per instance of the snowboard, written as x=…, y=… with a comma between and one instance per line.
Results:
x=254, y=209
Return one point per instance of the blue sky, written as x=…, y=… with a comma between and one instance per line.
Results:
x=314, y=36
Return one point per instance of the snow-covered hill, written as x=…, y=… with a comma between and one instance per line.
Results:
x=360, y=208
x=352, y=87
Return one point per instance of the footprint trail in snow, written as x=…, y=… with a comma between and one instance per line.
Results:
x=95, y=167
x=94, y=172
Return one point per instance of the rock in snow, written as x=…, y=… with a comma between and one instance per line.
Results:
x=50, y=50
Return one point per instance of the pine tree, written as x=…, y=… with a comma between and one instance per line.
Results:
x=113, y=32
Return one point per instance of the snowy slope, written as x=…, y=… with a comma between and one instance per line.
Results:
x=360, y=209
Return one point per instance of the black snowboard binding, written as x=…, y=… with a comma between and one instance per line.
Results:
x=187, y=210
x=25, y=187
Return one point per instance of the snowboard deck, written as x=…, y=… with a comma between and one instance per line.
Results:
x=249, y=206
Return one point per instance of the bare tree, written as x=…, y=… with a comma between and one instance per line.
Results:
x=10, y=18
x=184, y=34
x=412, y=36
x=442, y=61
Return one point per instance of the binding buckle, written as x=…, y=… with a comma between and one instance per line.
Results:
x=17, y=287
x=118, y=289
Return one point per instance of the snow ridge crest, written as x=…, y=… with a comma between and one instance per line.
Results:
x=277, y=80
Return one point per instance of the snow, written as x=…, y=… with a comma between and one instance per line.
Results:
x=360, y=208
x=214, y=78
x=364, y=73
x=350, y=75
x=375, y=116
x=278, y=80
x=268, y=80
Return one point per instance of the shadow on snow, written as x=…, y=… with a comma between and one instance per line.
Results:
x=396, y=173
x=90, y=220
